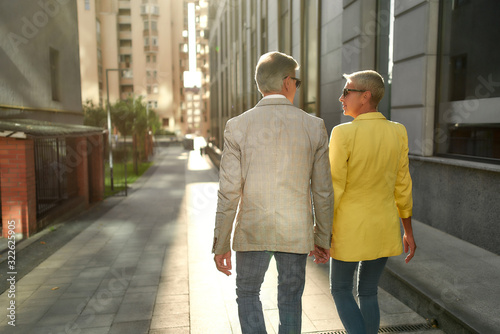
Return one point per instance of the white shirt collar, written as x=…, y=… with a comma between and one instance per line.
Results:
x=274, y=96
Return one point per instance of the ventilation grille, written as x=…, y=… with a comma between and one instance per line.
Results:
x=390, y=329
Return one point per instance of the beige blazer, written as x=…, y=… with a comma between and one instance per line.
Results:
x=275, y=157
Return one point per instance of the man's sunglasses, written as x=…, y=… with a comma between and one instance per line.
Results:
x=297, y=81
x=347, y=90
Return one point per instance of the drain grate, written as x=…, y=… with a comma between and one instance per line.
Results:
x=389, y=329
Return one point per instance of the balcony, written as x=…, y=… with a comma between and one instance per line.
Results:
x=124, y=20
x=124, y=4
x=147, y=32
x=126, y=81
x=150, y=9
x=151, y=48
x=124, y=65
x=125, y=35
x=125, y=50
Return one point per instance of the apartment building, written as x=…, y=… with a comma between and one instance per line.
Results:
x=439, y=60
x=130, y=48
x=194, y=61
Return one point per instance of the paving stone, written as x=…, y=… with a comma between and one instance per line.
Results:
x=131, y=327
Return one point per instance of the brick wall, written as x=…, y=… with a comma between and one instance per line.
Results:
x=17, y=180
x=95, y=148
x=84, y=163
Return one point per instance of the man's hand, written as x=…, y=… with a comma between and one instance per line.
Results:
x=223, y=262
x=321, y=255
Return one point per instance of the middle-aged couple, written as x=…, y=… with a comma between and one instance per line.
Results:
x=280, y=176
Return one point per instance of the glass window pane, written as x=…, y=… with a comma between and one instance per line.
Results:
x=468, y=122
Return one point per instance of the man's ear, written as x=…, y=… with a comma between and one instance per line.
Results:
x=286, y=83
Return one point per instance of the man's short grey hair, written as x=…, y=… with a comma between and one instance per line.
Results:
x=368, y=80
x=271, y=69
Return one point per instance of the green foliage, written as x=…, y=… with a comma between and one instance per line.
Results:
x=131, y=117
x=94, y=115
x=123, y=116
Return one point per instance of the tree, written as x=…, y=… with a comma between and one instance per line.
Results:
x=132, y=118
x=94, y=115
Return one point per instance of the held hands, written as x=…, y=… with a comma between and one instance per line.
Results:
x=223, y=263
x=321, y=255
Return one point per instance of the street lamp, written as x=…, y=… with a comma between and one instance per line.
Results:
x=109, y=125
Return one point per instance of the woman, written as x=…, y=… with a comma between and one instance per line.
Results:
x=372, y=187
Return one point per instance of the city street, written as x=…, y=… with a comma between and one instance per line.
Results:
x=144, y=266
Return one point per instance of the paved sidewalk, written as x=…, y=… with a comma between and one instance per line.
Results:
x=145, y=266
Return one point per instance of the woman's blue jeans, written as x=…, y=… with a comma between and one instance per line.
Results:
x=251, y=268
x=364, y=319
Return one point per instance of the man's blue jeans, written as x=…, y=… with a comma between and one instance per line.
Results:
x=251, y=268
x=364, y=319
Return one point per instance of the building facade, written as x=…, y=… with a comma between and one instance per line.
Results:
x=51, y=165
x=438, y=59
x=194, y=62
x=134, y=45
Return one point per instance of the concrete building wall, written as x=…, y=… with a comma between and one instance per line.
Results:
x=415, y=50
x=28, y=33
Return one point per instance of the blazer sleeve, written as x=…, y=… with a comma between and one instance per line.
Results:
x=322, y=192
x=339, y=155
x=230, y=185
x=403, y=187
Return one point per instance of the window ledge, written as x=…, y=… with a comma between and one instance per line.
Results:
x=457, y=162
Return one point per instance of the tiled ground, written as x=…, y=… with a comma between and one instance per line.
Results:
x=145, y=267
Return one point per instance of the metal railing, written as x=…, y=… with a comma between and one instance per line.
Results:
x=51, y=174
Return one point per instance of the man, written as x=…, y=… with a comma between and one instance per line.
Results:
x=275, y=157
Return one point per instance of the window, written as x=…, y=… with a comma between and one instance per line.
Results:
x=54, y=73
x=165, y=122
x=154, y=41
x=146, y=25
x=154, y=58
x=125, y=43
x=154, y=25
x=87, y=4
x=124, y=12
x=155, y=89
x=146, y=41
x=148, y=58
x=467, y=120
x=311, y=57
x=128, y=74
x=126, y=58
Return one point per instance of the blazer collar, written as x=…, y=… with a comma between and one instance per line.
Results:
x=273, y=101
x=369, y=116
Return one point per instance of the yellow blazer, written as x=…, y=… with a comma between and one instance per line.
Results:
x=372, y=186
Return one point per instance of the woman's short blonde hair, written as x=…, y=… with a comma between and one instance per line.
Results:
x=368, y=80
x=271, y=69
